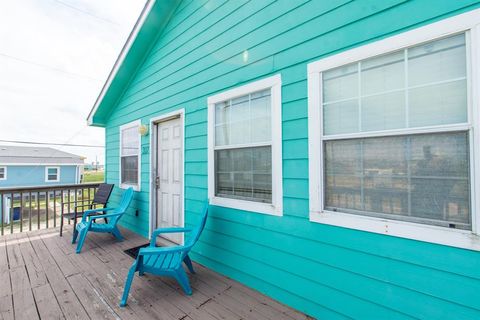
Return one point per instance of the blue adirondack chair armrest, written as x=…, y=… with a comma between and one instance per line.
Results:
x=160, y=250
x=104, y=216
x=89, y=212
x=159, y=231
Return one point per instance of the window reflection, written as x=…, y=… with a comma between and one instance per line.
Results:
x=418, y=178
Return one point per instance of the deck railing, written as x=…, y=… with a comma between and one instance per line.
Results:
x=33, y=208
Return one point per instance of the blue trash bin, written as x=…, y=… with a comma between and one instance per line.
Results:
x=16, y=213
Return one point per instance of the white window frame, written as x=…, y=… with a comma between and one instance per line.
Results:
x=4, y=173
x=274, y=83
x=470, y=24
x=58, y=174
x=136, y=187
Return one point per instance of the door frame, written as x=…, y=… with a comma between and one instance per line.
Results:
x=180, y=113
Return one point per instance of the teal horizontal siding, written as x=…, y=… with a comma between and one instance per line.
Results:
x=325, y=271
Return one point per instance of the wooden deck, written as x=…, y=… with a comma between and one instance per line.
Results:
x=42, y=278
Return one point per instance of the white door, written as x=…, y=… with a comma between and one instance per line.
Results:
x=169, y=176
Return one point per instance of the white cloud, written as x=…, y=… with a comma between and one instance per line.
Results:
x=54, y=57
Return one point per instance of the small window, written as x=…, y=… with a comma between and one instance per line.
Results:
x=3, y=173
x=245, y=146
x=130, y=155
x=52, y=174
x=243, y=152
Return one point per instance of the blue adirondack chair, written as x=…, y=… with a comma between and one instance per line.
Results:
x=166, y=261
x=87, y=224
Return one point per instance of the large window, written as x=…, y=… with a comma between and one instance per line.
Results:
x=245, y=147
x=52, y=174
x=391, y=137
x=3, y=173
x=421, y=178
x=130, y=155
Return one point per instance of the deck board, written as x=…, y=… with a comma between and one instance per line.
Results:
x=34, y=268
x=24, y=303
x=13, y=252
x=49, y=281
x=47, y=304
x=66, y=297
x=6, y=308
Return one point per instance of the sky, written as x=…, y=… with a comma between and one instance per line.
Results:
x=55, y=56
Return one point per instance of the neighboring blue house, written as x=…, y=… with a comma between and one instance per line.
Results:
x=34, y=166
x=338, y=142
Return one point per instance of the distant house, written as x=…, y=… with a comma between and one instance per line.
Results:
x=33, y=166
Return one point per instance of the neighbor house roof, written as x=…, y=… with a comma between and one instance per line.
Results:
x=36, y=155
x=152, y=21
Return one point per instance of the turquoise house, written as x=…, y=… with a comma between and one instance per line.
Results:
x=337, y=141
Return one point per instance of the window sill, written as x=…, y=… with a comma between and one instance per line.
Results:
x=451, y=237
x=255, y=207
x=126, y=186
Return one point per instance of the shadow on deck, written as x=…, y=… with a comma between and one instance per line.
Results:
x=42, y=278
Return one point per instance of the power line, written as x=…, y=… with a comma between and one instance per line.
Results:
x=48, y=67
x=85, y=12
x=54, y=144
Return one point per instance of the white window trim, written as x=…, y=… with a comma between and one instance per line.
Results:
x=136, y=187
x=275, y=208
x=467, y=22
x=4, y=173
x=46, y=174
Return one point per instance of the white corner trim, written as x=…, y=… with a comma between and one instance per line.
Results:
x=126, y=48
x=469, y=23
x=136, y=187
x=276, y=207
x=153, y=162
x=58, y=174
x=4, y=173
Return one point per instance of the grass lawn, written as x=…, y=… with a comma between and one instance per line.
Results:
x=93, y=176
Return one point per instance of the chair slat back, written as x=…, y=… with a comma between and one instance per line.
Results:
x=123, y=205
x=103, y=194
x=195, y=234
